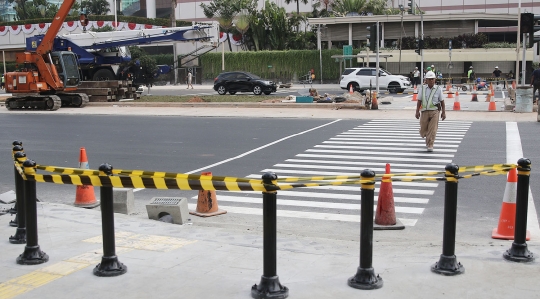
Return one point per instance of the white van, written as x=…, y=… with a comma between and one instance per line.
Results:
x=360, y=79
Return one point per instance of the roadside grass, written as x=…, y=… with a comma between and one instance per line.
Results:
x=211, y=98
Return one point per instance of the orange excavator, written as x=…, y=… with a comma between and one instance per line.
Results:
x=45, y=79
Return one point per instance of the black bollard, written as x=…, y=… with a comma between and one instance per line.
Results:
x=519, y=251
x=448, y=264
x=32, y=254
x=269, y=287
x=365, y=277
x=17, y=147
x=109, y=266
x=20, y=234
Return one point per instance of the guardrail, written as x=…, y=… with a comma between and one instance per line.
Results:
x=106, y=177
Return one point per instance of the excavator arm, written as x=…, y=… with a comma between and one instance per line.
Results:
x=46, y=44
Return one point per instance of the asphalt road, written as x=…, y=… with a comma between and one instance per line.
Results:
x=243, y=147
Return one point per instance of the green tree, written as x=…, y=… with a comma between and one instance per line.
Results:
x=225, y=11
x=297, y=4
x=362, y=7
x=36, y=9
x=95, y=7
x=145, y=65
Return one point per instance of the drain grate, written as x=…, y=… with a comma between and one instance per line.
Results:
x=166, y=201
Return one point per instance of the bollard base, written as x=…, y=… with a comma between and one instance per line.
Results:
x=519, y=253
x=32, y=255
x=269, y=287
x=19, y=237
x=365, y=279
x=109, y=267
x=448, y=265
x=14, y=223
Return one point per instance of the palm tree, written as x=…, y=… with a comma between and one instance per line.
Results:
x=297, y=4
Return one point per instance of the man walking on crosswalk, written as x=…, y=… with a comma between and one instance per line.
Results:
x=431, y=102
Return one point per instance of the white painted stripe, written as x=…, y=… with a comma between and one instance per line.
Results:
x=299, y=192
x=380, y=153
x=363, y=163
x=302, y=215
x=377, y=128
x=262, y=147
x=374, y=158
x=386, y=133
x=408, y=184
x=442, y=150
x=312, y=204
x=318, y=173
x=416, y=121
x=514, y=152
x=390, y=136
x=437, y=144
x=358, y=169
x=419, y=140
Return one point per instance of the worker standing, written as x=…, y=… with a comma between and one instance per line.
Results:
x=189, y=78
x=431, y=102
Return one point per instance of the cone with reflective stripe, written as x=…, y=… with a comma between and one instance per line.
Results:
x=85, y=196
x=385, y=217
x=374, y=103
x=507, y=219
x=457, y=104
x=207, y=202
x=351, y=89
x=415, y=94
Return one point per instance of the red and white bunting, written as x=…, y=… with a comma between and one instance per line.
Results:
x=132, y=26
x=101, y=24
x=28, y=28
x=15, y=29
x=3, y=30
x=148, y=26
x=236, y=39
x=222, y=37
x=118, y=25
x=41, y=28
x=71, y=25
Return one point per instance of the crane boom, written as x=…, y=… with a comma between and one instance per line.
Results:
x=46, y=44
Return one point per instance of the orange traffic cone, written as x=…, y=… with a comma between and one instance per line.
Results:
x=507, y=220
x=207, y=202
x=474, y=97
x=457, y=104
x=351, y=89
x=450, y=95
x=514, y=85
x=488, y=97
x=415, y=94
x=448, y=86
x=84, y=196
x=492, y=106
x=385, y=217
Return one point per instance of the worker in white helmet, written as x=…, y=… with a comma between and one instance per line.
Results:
x=431, y=103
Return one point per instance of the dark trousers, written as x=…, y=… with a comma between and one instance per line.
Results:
x=536, y=88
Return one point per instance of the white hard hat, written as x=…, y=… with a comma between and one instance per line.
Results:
x=430, y=75
x=496, y=67
x=432, y=65
x=471, y=67
x=416, y=67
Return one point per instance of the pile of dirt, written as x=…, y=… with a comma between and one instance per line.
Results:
x=196, y=100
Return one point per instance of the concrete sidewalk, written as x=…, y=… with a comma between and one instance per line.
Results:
x=190, y=261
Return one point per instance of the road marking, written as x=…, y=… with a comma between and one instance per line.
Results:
x=391, y=136
x=304, y=215
x=380, y=148
x=365, y=153
x=363, y=163
x=256, y=149
x=514, y=152
x=357, y=169
x=370, y=158
x=397, y=139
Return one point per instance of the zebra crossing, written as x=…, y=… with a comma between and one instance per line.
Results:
x=370, y=145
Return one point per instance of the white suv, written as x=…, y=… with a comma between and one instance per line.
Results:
x=360, y=79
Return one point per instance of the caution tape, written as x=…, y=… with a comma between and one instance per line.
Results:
x=167, y=180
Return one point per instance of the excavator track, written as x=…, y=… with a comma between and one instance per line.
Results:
x=34, y=102
x=78, y=100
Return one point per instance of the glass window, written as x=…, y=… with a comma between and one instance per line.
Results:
x=365, y=72
x=348, y=71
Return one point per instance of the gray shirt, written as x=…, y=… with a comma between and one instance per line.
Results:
x=437, y=98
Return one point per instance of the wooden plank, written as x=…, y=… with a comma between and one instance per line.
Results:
x=95, y=91
x=99, y=84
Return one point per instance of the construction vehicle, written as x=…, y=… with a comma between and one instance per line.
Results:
x=45, y=79
x=105, y=56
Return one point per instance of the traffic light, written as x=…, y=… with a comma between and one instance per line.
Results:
x=411, y=10
x=372, y=36
x=419, y=46
x=528, y=25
